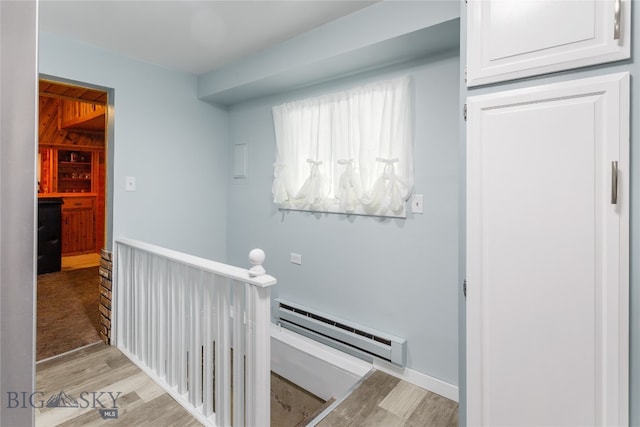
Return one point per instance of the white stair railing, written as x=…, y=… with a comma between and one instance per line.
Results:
x=199, y=328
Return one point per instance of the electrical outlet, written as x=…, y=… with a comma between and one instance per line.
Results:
x=417, y=203
x=130, y=183
x=296, y=258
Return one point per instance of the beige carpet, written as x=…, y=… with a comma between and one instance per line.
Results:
x=67, y=315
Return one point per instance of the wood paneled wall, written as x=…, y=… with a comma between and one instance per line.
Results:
x=49, y=133
x=100, y=201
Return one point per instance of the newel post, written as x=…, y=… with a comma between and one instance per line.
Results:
x=258, y=346
x=256, y=258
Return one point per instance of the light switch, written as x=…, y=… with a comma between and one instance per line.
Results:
x=417, y=202
x=130, y=183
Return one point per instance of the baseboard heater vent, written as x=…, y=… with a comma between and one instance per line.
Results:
x=350, y=338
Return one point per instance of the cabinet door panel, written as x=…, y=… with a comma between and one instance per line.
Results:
x=78, y=234
x=547, y=255
x=509, y=39
x=68, y=243
x=85, y=230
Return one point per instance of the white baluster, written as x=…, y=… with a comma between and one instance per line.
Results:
x=139, y=280
x=209, y=337
x=121, y=268
x=153, y=314
x=239, y=339
x=172, y=325
x=195, y=372
x=258, y=346
x=163, y=316
x=173, y=304
x=130, y=326
x=223, y=356
x=183, y=294
x=197, y=333
x=146, y=332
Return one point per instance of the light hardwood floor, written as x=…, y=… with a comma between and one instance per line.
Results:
x=101, y=368
x=381, y=400
x=386, y=401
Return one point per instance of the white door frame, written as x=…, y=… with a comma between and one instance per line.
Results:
x=18, y=148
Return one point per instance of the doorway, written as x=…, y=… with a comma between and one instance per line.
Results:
x=71, y=172
x=72, y=161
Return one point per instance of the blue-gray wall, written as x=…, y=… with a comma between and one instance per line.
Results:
x=631, y=66
x=395, y=275
x=174, y=144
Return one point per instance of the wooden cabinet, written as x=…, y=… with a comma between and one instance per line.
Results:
x=513, y=39
x=78, y=234
x=548, y=254
x=75, y=171
x=78, y=176
x=68, y=170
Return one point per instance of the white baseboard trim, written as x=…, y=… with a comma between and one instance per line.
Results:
x=425, y=381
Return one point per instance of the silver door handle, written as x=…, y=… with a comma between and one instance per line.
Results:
x=616, y=19
x=614, y=183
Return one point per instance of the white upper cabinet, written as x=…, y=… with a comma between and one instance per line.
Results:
x=510, y=39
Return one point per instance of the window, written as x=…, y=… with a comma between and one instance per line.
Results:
x=347, y=152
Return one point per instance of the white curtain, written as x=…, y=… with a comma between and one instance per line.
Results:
x=350, y=151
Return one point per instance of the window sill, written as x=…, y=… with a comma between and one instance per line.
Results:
x=334, y=208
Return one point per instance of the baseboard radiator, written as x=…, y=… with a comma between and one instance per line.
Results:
x=356, y=340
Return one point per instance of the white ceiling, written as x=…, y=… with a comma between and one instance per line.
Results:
x=191, y=36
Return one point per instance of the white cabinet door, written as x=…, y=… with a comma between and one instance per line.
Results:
x=548, y=255
x=509, y=39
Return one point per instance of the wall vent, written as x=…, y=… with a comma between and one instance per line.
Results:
x=358, y=341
